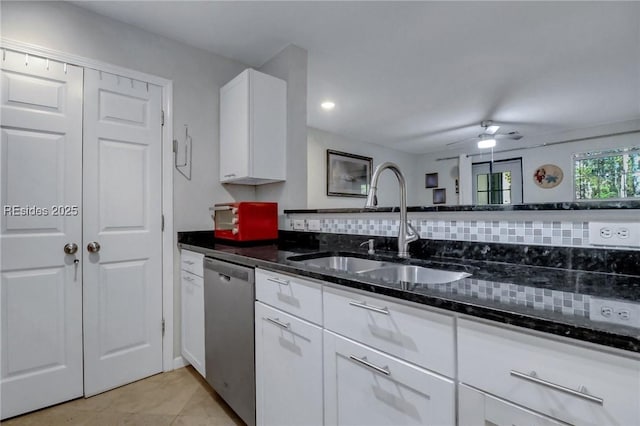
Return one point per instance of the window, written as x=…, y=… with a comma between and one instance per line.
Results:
x=498, y=182
x=607, y=175
x=494, y=188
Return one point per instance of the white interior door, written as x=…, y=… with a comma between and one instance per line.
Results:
x=41, y=189
x=122, y=213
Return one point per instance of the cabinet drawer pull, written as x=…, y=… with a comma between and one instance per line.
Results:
x=277, y=322
x=278, y=281
x=230, y=175
x=532, y=377
x=363, y=361
x=189, y=262
x=363, y=305
x=187, y=278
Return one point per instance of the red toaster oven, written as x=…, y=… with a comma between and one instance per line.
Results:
x=246, y=221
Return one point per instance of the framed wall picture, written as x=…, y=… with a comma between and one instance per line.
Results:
x=431, y=180
x=348, y=175
x=439, y=196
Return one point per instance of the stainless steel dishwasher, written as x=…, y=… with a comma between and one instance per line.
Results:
x=229, y=335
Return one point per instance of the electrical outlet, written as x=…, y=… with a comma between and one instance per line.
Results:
x=614, y=312
x=313, y=224
x=614, y=234
x=298, y=224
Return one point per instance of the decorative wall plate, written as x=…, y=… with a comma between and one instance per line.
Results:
x=548, y=176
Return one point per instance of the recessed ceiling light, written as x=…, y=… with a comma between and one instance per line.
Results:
x=486, y=143
x=328, y=105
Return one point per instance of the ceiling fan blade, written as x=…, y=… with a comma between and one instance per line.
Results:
x=461, y=141
x=511, y=135
x=491, y=130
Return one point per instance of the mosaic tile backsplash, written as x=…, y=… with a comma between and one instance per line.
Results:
x=552, y=233
x=537, y=298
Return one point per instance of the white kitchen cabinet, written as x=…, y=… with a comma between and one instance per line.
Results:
x=412, y=333
x=253, y=129
x=192, y=291
x=363, y=386
x=288, y=369
x=478, y=408
x=562, y=380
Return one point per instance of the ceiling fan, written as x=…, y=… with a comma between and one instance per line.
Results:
x=489, y=135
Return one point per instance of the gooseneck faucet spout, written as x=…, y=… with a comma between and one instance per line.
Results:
x=406, y=233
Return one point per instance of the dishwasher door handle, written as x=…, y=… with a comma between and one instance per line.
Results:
x=223, y=277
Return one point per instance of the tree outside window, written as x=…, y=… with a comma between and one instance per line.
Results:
x=608, y=175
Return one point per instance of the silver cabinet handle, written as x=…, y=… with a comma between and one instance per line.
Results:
x=230, y=175
x=363, y=305
x=366, y=363
x=189, y=262
x=278, y=281
x=532, y=377
x=93, y=247
x=277, y=322
x=187, y=278
x=70, y=248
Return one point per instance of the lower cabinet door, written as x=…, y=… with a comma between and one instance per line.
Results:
x=477, y=408
x=366, y=387
x=193, y=321
x=288, y=369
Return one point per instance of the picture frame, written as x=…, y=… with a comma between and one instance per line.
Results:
x=440, y=196
x=431, y=180
x=348, y=175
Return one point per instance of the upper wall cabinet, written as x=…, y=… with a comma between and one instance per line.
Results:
x=253, y=129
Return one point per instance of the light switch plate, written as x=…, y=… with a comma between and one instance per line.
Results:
x=298, y=224
x=615, y=234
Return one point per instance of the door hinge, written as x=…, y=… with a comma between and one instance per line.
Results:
x=162, y=223
x=163, y=327
x=162, y=117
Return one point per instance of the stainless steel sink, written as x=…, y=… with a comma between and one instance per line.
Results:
x=345, y=264
x=415, y=275
x=379, y=270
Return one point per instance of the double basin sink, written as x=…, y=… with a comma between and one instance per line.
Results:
x=379, y=270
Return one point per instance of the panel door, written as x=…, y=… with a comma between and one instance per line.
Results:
x=288, y=369
x=41, y=286
x=363, y=386
x=122, y=214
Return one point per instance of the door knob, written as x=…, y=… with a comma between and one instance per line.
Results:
x=70, y=248
x=93, y=247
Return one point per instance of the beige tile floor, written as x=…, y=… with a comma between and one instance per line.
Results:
x=180, y=397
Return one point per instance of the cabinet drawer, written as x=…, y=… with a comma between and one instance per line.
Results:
x=478, y=408
x=294, y=295
x=418, y=335
x=366, y=387
x=192, y=262
x=571, y=383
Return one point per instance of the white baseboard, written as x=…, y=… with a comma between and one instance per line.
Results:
x=179, y=362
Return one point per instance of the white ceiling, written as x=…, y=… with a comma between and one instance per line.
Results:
x=415, y=76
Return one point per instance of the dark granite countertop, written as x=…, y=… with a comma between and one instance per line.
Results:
x=573, y=205
x=553, y=300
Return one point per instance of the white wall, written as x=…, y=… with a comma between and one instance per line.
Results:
x=197, y=76
x=291, y=65
x=318, y=141
x=560, y=155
